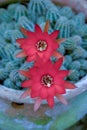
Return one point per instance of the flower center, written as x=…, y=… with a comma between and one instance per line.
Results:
x=47, y=80
x=41, y=45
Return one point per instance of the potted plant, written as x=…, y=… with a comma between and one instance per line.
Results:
x=72, y=26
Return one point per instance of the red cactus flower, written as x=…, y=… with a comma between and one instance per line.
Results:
x=46, y=81
x=40, y=43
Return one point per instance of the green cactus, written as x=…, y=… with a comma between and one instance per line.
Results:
x=67, y=12
x=20, y=10
x=2, y=51
x=82, y=31
x=79, y=52
x=14, y=75
x=11, y=65
x=15, y=35
x=84, y=44
x=9, y=50
x=41, y=20
x=6, y=26
x=83, y=64
x=9, y=83
x=4, y=15
x=67, y=61
x=12, y=8
x=82, y=73
x=52, y=15
x=3, y=74
x=61, y=49
x=77, y=39
x=3, y=62
x=74, y=76
x=63, y=25
x=37, y=7
x=69, y=44
x=75, y=65
x=79, y=19
x=26, y=23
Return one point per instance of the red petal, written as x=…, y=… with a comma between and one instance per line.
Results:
x=43, y=93
x=59, y=63
x=51, y=91
x=20, y=41
x=31, y=58
x=59, y=41
x=38, y=61
x=54, y=34
x=57, y=54
x=26, y=32
x=36, y=87
x=59, y=89
x=50, y=101
x=69, y=85
x=34, y=94
x=61, y=99
x=24, y=73
x=26, y=83
x=37, y=104
x=46, y=28
x=63, y=73
x=26, y=93
x=38, y=29
x=34, y=73
x=21, y=54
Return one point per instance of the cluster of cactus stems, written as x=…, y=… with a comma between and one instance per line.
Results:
x=72, y=26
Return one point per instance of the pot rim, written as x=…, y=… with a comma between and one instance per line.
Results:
x=14, y=95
